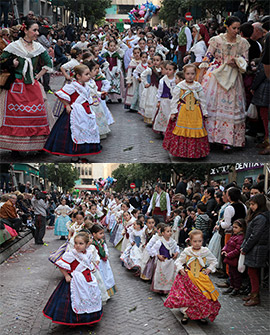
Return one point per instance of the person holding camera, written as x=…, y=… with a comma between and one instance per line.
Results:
x=40, y=205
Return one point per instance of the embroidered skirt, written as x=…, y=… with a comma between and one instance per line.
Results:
x=185, y=147
x=23, y=118
x=60, y=141
x=58, y=308
x=184, y=293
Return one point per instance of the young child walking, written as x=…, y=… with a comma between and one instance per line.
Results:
x=76, y=300
x=151, y=88
x=127, y=228
x=149, y=232
x=166, y=250
x=132, y=92
x=231, y=253
x=75, y=133
x=186, y=135
x=97, y=108
x=133, y=254
x=113, y=72
x=192, y=290
x=104, y=265
x=63, y=211
x=164, y=94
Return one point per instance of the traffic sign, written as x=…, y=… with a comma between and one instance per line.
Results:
x=188, y=16
x=132, y=185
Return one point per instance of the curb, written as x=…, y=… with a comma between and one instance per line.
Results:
x=15, y=246
x=192, y=328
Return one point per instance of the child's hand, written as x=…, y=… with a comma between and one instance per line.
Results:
x=182, y=272
x=224, y=253
x=129, y=85
x=116, y=74
x=147, y=85
x=161, y=258
x=15, y=62
x=133, y=243
x=158, y=105
x=68, y=109
x=68, y=279
x=139, y=80
x=206, y=271
x=173, y=117
x=175, y=255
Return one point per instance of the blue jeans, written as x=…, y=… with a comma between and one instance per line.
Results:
x=4, y=7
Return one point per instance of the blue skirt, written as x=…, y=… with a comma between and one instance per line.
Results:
x=60, y=228
x=60, y=142
x=59, y=310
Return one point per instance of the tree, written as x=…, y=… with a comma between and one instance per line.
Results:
x=151, y=173
x=92, y=11
x=63, y=176
x=169, y=11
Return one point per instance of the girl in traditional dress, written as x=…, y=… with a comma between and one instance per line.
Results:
x=23, y=118
x=149, y=232
x=132, y=255
x=225, y=61
x=186, y=135
x=166, y=250
x=104, y=265
x=63, y=211
x=151, y=88
x=99, y=60
x=165, y=88
x=132, y=92
x=128, y=225
x=137, y=74
x=75, y=133
x=97, y=108
x=192, y=290
x=113, y=72
x=103, y=87
x=127, y=40
x=77, y=299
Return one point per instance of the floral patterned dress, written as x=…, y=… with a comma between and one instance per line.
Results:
x=226, y=108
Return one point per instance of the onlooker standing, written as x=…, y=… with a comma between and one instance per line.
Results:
x=40, y=207
x=4, y=7
x=160, y=205
x=256, y=244
x=184, y=41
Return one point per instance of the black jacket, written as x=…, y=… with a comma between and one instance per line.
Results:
x=256, y=242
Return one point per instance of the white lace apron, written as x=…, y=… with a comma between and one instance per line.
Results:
x=83, y=126
x=85, y=296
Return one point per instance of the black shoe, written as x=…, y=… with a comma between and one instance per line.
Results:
x=119, y=100
x=184, y=320
x=235, y=293
x=228, y=291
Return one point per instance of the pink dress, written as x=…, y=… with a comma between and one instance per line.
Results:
x=226, y=108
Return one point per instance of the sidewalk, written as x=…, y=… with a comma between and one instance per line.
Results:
x=28, y=279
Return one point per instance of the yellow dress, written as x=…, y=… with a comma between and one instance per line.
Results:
x=202, y=281
x=190, y=121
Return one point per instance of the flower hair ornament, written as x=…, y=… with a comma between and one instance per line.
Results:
x=23, y=26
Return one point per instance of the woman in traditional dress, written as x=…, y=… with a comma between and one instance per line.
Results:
x=24, y=123
x=226, y=60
